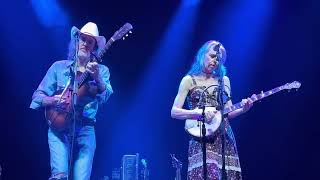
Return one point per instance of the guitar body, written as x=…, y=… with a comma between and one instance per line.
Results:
x=60, y=117
x=194, y=127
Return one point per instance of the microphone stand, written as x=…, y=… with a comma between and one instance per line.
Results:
x=221, y=104
x=73, y=104
x=203, y=140
x=203, y=134
x=222, y=128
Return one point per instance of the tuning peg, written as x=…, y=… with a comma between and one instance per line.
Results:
x=262, y=95
x=127, y=35
x=130, y=32
x=123, y=38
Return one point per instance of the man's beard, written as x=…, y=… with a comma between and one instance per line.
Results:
x=83, y=55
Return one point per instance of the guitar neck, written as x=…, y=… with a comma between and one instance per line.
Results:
x=107, y=46
x=258, y=97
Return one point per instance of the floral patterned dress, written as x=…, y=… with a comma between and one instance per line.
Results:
x=214, y=143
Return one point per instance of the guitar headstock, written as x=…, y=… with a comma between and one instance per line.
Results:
x=293, y=85
x=122, y=32
x=176, y=163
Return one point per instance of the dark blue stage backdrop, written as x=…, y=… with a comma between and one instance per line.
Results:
x=269, y=43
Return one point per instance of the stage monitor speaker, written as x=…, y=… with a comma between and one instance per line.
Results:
x=130, y=167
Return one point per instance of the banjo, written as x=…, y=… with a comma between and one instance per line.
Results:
x=193, y=126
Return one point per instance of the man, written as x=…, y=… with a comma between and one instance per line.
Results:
x=84, y=45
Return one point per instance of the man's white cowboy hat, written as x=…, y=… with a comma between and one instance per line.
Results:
x=90, y=29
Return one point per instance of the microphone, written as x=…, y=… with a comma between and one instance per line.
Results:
x=217, y=48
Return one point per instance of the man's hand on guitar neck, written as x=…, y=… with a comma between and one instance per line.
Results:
x=54, y=101
x=93, y=69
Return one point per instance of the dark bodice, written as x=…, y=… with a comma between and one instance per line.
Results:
x=200, y=95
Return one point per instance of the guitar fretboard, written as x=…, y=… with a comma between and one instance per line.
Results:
x=117, y=35
x=258, y=97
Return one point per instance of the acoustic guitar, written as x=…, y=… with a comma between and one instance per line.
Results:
x=59, y=117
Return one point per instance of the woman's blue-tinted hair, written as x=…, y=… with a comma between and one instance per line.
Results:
x=198, y=65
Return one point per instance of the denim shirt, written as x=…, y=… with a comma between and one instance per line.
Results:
x=56, y=80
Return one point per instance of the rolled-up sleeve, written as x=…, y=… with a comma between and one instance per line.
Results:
x=46, y=88
x=104, y=96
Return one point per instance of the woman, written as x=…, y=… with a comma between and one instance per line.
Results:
x=205, y=71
